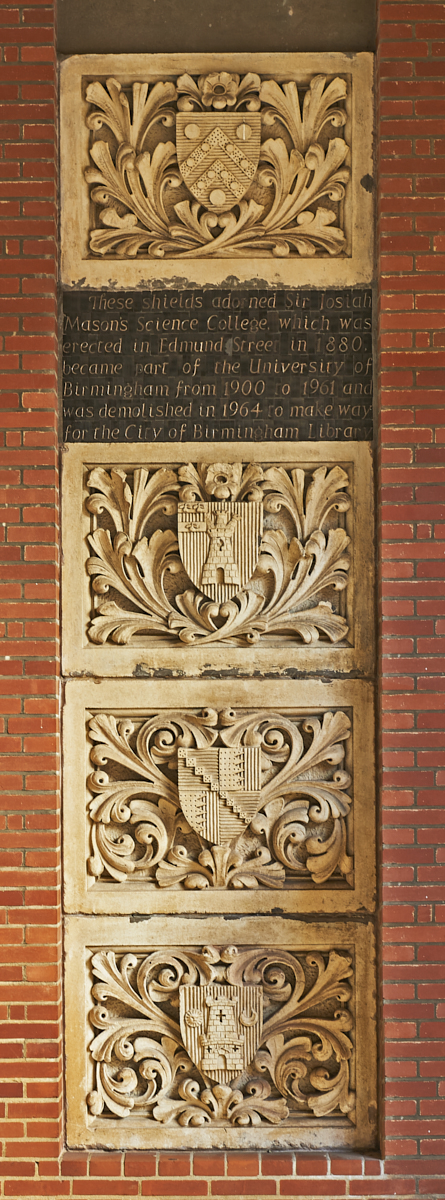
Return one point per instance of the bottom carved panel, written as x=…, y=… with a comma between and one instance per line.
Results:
x=190, y=1033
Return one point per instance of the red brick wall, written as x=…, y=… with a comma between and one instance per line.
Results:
x=412, y=208
x=412, y=215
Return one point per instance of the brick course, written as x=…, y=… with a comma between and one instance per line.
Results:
x=411, y=456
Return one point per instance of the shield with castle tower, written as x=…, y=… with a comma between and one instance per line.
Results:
x=219, y=543
x=221, y=1027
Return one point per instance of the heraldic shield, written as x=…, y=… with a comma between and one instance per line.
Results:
x=218, y=155
x=219, y=543
x=219, y=790
x=221, y=1027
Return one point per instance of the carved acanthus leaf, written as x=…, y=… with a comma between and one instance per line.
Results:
x=319, y=103
x=113, y=109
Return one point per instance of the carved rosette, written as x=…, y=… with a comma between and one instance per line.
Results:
x=218, y=553
x=242, y=1036
x=225, y=799
x=218, y=165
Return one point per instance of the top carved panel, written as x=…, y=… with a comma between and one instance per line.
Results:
x=192, y=160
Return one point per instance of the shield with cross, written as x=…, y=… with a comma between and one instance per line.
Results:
x=221, y=1027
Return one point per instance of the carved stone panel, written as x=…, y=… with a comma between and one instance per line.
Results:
x=189, y=561
x=261, y=163
x=194, y=1040
x=219, y=797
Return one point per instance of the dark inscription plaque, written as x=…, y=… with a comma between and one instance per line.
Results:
x=215, y=364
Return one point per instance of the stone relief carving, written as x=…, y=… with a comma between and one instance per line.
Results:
x=229, y=799
x=245, y=1036
x=218, y=165
x=218, y=553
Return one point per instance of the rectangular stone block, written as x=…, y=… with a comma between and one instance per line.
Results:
x=219, y=796
x=269, y=364
x=198, y=1033
x=199, y=167
x=256, y=560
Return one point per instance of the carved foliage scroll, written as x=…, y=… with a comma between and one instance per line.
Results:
x=222, y=1036
x=229, y=799
x=218, y=165
x=218, y=553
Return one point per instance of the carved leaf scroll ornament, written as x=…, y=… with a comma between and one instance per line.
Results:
x=218, y=553
x=223, y=800
x=273, y=1025
x=217, y=166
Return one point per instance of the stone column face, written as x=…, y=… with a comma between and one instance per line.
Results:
x=217, y=399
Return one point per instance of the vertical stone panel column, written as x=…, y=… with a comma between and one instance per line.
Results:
x=217, y=477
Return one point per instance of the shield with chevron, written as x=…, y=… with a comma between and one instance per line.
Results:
x=219, y=790
x=218, y=155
